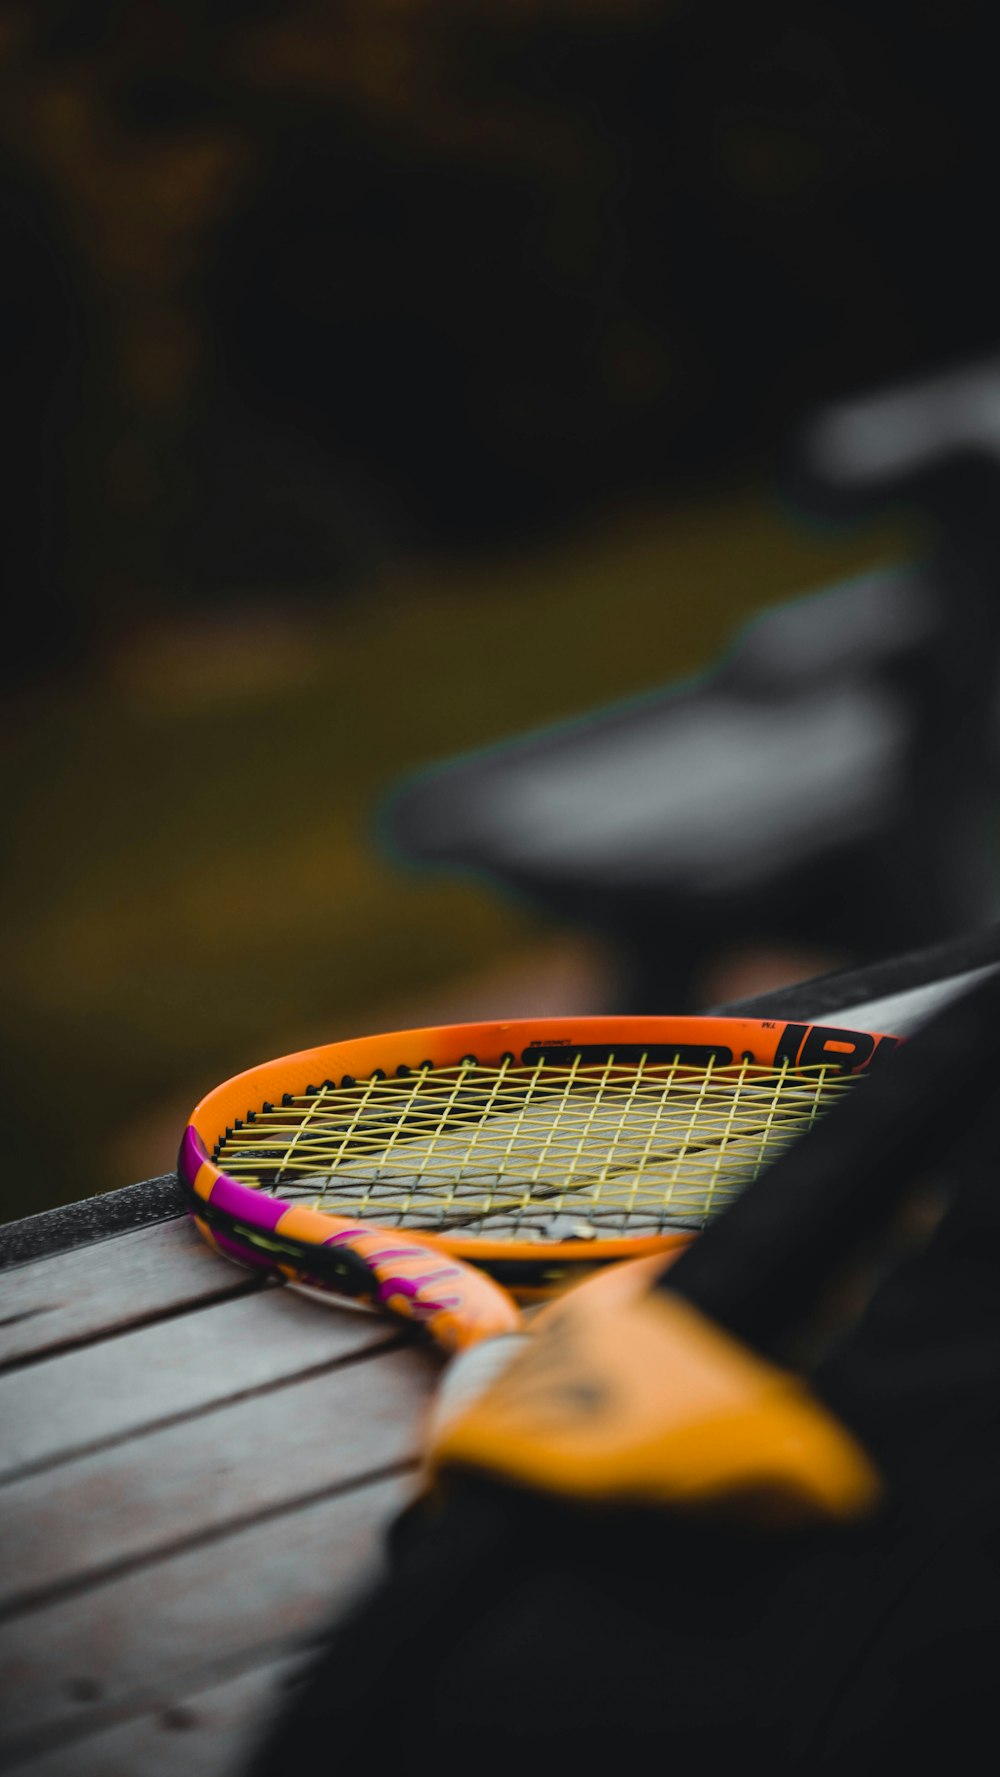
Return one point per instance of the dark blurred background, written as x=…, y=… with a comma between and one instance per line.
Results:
x=380, y=379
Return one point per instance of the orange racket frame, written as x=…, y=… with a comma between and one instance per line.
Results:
x=264, y=1231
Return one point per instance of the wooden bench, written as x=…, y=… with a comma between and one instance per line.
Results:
x=196, y=1468
x=195, y=1472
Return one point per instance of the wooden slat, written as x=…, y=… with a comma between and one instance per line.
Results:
x=208, y=1731
x=115, y=1388
x=113, y=1283
x=125, y=1648
x=239, y=1461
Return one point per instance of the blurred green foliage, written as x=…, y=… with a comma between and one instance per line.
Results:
x=317, y=283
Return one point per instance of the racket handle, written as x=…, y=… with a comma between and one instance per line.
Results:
x=472, y=1371
x=468, y=1376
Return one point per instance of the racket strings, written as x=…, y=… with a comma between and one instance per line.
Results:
x=540, y=1151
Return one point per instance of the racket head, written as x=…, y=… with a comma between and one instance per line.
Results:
x=454, y=1079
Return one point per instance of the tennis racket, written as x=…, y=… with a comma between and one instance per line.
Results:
x=438, y=1174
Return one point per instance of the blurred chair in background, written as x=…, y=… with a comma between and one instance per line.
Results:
x=830, y=786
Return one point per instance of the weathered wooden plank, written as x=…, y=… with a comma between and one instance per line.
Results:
x=124, y=1648
x=159, y=1199
x=206, y=1731
x=85, y=1517
x=114, y=1283
x=117, y=1387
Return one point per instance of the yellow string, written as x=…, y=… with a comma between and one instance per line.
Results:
x=450, y=1146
